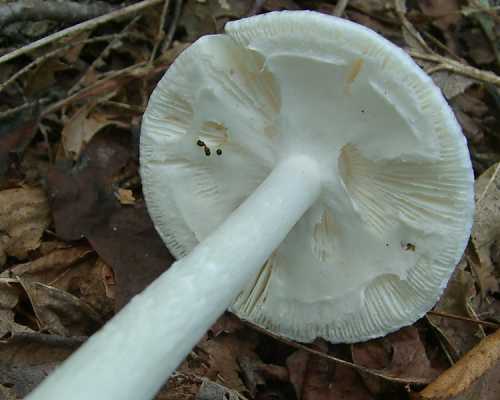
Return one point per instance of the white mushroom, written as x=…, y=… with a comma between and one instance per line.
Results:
x=307, y=174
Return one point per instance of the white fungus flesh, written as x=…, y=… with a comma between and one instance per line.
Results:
x=376, y=249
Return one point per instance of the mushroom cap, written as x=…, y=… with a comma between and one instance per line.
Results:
x=377, y=248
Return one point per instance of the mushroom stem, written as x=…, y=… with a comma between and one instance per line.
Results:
x=134, y=353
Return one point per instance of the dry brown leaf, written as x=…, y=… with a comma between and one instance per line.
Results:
x=81, y=127
x=24, y=215
x=467, y=371
x=315, y=378
x=125, y=196
x=400, y=354
x=59, y=312
x=223, y=354
x=9, y=298
x=26, y=359
x=48, y=267
x=486, y=229
x=459, y=336
x=84, y=205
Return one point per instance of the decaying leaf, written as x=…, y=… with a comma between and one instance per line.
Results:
x=15, y=135
x=125, y=196
x=81, y=128
x=84, y=205
x=59, y=312
x=24, y=215
x=461, y=378
x=315, y=378
x=47, y=268
x=459, y=336
x=400, y=354
x=221, y=357
x=9, y=298
x=26, y=359
x=486, y=229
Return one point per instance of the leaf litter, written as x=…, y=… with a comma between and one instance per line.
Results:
x=76, y=242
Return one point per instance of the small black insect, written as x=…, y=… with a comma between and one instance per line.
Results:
x=207, y=151
x=200, y=143
x=219, y=152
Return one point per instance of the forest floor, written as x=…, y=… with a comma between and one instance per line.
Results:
x=75, y=78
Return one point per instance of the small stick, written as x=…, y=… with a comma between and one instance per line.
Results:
x=458, y=68
x=37, y=10
x=345, y=363
x=53, y=53
x=160, y=34
x=101, y=56
x=173, y=26
x=465, y=319
x=340, y=8
x=83, y=26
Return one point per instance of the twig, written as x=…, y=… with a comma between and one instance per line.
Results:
x=37, y=10
x=400, y=7
x=160, y=34
x=101, y=56
x=11, y=111
x=447, y=64
x=466, y=319
x=141, y=70
x=386, y=376
x=458, y=379
x=340, y=8
x=83, y=26
x=173, y=26
x=53, y=53
x=257, y=6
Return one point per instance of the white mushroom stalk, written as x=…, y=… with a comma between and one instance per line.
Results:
x=307, y=175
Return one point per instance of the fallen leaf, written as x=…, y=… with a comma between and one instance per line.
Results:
x=213, y=391
x=24, y=215
x=461, y=377
x=9, y=299
x=486, y=228
x=27, y=358
x=227, y=323
x=445, y=15
x=459, y=336
x=125, y=196
x=315, y=378
x=221, y=359
x=47, y=268
x=15, y=135
x=452, y=84
x=81, y=127
x=84, y=205
x=400, y=354
x=59, y=312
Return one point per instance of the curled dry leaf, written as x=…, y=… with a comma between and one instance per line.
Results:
x=24, y=215
x=460, y=378
x=47, y=268
x=400, y=354
x=81, y=127
x=60, y=312
x=9, y=298
x=486, y=229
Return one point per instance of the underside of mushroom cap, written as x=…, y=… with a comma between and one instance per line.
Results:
x=376, y=250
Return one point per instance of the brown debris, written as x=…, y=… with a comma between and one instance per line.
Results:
x=24, y=215
x=469, y=369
